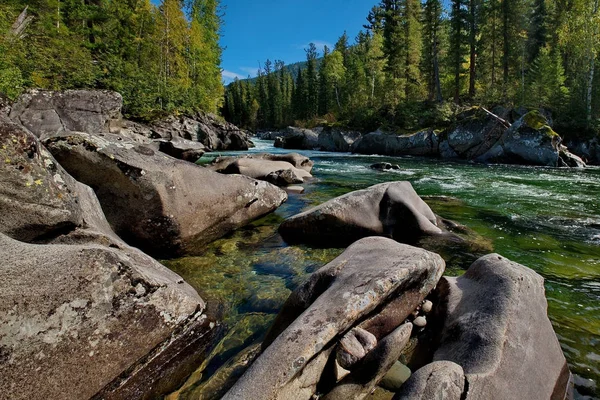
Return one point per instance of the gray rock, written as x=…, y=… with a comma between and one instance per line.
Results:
x=424, y=143
x=354, y=346
x=530, y=141
x=488, y=331
x=373, y=367
x=388, y=209
x=83, y=313
x=427, y=306
x=420, y=322
x=208, y=129
x=473, y=134
x=182, y=149
x=294, y=189
x=353, y=286
x=46, y=113
x=442, y=380
x=280, y=173
x=383, y=166
x=298, y=138
x=164, y=206
x=334, y=139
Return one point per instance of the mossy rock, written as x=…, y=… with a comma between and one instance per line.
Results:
x=535, y=120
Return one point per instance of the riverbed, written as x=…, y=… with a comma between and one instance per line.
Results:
x=545, y=218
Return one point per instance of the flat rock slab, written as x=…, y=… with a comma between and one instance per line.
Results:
x=166, y=207
x=389, y=209
x=498, y=331
x=370, y=273
x=46, y=113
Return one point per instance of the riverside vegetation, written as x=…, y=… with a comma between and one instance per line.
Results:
x=354, y=289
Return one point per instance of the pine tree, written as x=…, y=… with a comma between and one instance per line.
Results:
x=432, y=25
x=312, y=82
x=458, y=31
x=412, y=37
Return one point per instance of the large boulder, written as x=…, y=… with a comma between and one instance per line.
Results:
x=219, y=135
x=530, y=141
x=351, y=291
x=164, y=206
x=423, y=143
x=281, y=173
x=497, y=329
x=391, y=209
x=298, y=138
x=335, y=139
x=474, y=133
x=82, y=313
x=46, y=113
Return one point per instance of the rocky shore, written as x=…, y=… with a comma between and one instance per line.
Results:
x=477, y=135
x=87, y=199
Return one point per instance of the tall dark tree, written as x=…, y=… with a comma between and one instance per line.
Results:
x=432, y=30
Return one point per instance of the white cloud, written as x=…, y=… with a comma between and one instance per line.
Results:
x=249, y=70
x=230, y=76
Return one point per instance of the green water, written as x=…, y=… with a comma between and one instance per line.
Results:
x=547, y=219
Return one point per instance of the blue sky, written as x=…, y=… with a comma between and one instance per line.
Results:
x=255, y=30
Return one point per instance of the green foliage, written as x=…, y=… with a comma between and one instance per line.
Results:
x=161, y=59
x=416, y=62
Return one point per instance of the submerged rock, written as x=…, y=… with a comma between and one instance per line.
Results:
x=383, y=166
x=45, y=113
x=491, y=310
x=366, y=277
x=157, y=203
x=389, y=209
x=83, y=314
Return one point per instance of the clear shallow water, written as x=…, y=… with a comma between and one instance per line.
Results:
x=547, y=219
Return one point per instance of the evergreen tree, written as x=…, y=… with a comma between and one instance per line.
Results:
x=458, y=40
x=432, y=29
x=312, y=82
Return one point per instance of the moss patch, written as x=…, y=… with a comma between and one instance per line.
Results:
x=535, y=120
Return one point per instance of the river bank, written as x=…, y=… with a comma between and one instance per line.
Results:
x=545, y=218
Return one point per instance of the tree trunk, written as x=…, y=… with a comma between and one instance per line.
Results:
x=436, y=72
x=472, y=44
x=506, y=53
x=590, y=83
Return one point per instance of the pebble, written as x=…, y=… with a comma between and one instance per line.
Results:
x=420, y=322
x=427, y=306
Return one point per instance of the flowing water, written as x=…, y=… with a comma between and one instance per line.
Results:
x=547, y=219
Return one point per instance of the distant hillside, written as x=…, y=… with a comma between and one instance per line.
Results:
x=292, y=68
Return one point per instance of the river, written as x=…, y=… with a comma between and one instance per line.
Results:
x=545, y=218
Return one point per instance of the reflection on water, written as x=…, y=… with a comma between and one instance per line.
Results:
x=547, y=219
